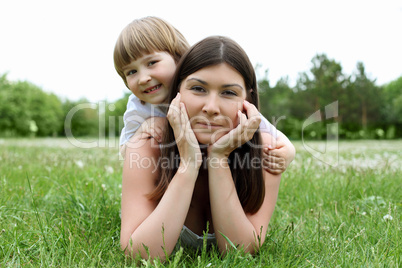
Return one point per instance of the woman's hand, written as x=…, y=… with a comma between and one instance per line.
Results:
x=248, y=125
x=187, y=144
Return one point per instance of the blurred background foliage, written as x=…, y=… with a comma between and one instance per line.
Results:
x=365, y=110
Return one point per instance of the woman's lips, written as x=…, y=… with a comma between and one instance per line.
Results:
x=208, y=126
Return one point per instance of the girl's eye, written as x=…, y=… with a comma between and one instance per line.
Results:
x=152, y=63
x=131, y=72
x=230, y=92
x=197, y=89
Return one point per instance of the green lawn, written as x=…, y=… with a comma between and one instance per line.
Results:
x=59, y=207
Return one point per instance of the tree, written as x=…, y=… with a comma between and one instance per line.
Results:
x=367, y=96
x=27, y=110
x=14, y=110
x=275, y=103
x=45, y=109
x=324, y=85
x=392, y=108
x=114, y=115
x=6, y=120
x=80, y=118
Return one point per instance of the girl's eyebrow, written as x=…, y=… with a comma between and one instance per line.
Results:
x=143, y=59
x=205, y=83
x=149, y=56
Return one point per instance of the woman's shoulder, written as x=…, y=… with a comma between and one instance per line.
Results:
x=142, y=146
x=140, y=163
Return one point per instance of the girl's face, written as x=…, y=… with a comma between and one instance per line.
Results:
x=212, y=97
x=149, y=77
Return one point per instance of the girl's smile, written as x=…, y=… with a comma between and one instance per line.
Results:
x=149, y=76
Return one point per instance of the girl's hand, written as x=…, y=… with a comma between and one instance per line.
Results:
x=248, y=125
x=187, y=144
x=276, y=159
x=151, y=128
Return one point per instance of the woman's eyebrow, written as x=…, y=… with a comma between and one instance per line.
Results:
x=205, y=83
x=232, y=85
x=198, y=80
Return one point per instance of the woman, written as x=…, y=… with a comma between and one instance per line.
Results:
x=213, y=172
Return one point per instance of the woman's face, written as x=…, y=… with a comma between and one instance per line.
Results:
x=212, y=97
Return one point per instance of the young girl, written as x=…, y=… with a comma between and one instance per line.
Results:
x=212, y=128
x=145, y=56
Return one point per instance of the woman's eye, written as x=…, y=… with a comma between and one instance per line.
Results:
x=197, y=88
x=230, y=92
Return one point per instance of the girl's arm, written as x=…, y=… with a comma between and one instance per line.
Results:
x=281, y=153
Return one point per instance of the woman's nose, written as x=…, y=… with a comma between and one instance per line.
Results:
x=211, y=105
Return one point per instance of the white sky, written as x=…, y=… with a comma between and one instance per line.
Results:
x=66, y=47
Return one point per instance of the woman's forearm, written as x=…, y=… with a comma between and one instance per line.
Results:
x=228, y=215
x=159, y=232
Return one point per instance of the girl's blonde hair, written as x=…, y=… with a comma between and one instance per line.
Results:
x=145, y=36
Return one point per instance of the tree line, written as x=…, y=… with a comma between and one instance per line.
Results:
x=363, y=109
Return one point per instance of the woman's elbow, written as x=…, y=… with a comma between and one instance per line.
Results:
x=134, y=250
x=251, y=248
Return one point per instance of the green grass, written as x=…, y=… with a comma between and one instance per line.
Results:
x=59, y=207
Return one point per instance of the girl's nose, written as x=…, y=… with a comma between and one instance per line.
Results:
x=144, y=78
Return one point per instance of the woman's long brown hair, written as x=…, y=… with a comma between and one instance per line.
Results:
x=248, y=180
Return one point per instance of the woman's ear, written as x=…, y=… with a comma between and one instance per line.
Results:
x=250, y=94
x=179, y=86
